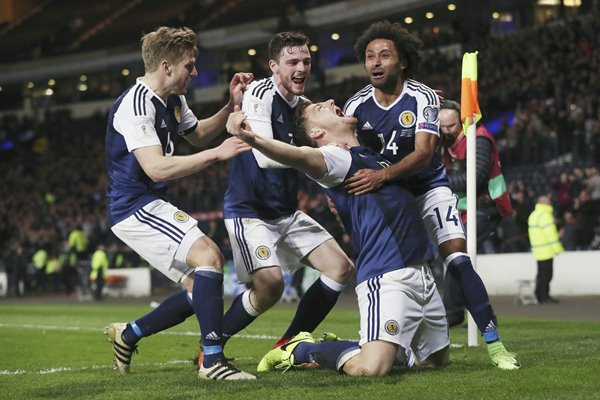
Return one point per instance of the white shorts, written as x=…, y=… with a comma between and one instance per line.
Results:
x=280, y=242
x=403, y=307
x=440, y=215
x=162, y=235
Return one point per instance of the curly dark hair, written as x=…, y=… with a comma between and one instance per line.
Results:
x=299, y=134
x=406, y=44
x=285, y=39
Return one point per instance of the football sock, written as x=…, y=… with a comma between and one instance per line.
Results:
x=240, y=315
x=314, y=306
x=326, y=354
x=476, y=297
x=207, y=297
x=172, y=311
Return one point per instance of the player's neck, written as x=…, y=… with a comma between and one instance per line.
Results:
x=386, y=96
x=347, y=136
x=155, y=84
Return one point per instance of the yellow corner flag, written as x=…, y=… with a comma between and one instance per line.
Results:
x=469, y=110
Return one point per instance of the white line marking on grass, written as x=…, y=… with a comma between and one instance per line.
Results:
x=93, y=367
x=97, y=367
x=88, y=329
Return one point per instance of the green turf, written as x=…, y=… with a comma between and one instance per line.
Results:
x=60, y=352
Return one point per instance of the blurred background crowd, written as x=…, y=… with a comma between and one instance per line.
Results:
x=539, y=76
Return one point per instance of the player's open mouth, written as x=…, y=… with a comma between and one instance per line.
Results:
x=298, y=81
x=377, y=74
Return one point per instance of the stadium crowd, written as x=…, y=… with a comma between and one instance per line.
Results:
x=537, y=85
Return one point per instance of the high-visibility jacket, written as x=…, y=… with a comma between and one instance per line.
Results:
x=543, y=234
x=53, y=265
x=78, y=240
x=40, y=258
x=99, y=264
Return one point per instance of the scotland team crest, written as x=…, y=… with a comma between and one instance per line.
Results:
x=180, y=216
x=177, y=113
x=391, y=327
x=263, y=252
x=407, y=119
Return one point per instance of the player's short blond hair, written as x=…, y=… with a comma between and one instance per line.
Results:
x=166, y=43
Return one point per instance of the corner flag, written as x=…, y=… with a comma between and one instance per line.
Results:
x=469, y=115
x=469, y=110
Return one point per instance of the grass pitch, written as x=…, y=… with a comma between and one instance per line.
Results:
x=51, y=351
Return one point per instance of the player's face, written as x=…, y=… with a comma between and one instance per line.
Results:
x=449, y=124
x=292, y=70
x=183, y=72
x=383, y=64
x=326, y=115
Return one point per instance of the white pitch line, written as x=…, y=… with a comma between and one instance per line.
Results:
x=97, y=367
x=93, y=367
x=90, y=329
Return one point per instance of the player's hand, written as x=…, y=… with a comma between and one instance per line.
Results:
x=365, y=180
x=237, y=87
x=238, y=126
x=231, y=147
x=439, y=93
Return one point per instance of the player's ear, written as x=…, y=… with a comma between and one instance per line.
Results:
x=316, y=133
x=273, y=66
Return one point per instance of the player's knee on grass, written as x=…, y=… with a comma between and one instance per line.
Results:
x=438, y=359
x=375, y=359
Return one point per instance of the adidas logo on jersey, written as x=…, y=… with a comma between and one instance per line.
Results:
x=213, y=336
x=280, y=119
x=162, y=124
x=367, y=126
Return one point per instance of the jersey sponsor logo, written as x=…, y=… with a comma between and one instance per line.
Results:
x=367, y=126
x=431, y=114
x=180, y=216
x=255, y=109
x=392, y=327
x=143, y=131
x=427, y=126
x=263, y=252
x=407, y=119
x=177, y=113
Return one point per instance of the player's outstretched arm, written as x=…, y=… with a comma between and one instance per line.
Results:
x=161, y=168
x=209, y=128
x=305, y=159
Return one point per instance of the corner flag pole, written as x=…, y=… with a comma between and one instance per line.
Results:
x=469, y=115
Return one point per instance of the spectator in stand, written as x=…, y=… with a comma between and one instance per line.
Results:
x=562, y=192
x=570, y=233
x=593, y=182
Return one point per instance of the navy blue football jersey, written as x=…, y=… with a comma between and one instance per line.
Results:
x=385, y=226
x=391, y=130
x=137, y=119
x=253, y=191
